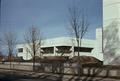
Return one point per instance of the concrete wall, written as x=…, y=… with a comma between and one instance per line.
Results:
x=111, y=32
x=97, y=51
x=17, y=67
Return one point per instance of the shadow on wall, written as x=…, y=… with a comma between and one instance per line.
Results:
x=111, y=43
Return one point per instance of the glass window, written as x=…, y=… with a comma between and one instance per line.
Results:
x=20, y=50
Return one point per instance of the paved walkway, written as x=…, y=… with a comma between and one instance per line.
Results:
x=10, y=75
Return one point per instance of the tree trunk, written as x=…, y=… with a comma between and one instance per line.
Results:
x=10, y=62
x=34, y=53
x=80, y=72
x=9, y=57
x=34, y=63
x=78, y=46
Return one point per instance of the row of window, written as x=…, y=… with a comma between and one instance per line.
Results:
x=50, y=50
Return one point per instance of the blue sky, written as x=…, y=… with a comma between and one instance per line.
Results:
x=50, y=16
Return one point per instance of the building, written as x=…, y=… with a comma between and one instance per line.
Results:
x=66, y=46
x=111, y=32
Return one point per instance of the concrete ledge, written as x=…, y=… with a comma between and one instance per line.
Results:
x=17, y=67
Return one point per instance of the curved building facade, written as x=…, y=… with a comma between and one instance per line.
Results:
x=64, y=46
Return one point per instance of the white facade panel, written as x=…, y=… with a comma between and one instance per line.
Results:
x=110, y=11
x=111, y=33
x=99, y=39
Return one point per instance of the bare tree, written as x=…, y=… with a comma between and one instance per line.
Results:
x=78, y=25
x=33, y=39
x=0, y=44
x=9, y=40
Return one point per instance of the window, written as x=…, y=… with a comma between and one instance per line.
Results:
x=20, y=50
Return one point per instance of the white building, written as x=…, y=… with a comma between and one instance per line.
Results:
x=66, y=45
x=110, y=45
x=111, y=34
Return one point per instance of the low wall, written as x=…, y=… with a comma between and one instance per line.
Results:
x=66, y=69
x=17, y=67
x=103, y=72
x=88, y=70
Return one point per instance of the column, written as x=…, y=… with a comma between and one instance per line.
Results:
x=72, y=53
x=55, y=51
